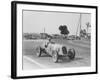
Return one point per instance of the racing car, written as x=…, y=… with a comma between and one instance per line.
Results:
x=56, y=51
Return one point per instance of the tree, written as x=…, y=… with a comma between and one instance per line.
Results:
x=63, y=30
x=83, y=33
x=88, y=25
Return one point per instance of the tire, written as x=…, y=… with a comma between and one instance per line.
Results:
x=71, y=53
x=55, y=56
x=38, y=51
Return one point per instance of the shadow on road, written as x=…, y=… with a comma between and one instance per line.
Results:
x=64, y=60
x=45, y=55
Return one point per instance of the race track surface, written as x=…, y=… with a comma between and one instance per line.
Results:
x=31, y=61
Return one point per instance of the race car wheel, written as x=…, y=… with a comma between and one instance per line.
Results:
x=55, y=56
x=38, y=51
x=71, y=53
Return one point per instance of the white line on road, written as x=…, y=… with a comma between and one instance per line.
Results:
x=33, y=61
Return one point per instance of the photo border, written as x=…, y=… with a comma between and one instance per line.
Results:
x=14, y=38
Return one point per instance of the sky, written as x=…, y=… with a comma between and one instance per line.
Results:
x=36, y=21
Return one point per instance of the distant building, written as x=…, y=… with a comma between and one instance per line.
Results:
x=45, y=36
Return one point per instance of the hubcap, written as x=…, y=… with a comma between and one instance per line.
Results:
x=54, y=57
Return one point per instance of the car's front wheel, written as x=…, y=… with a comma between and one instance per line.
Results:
x=38, y=51
x=55, y=56
x=71, y=53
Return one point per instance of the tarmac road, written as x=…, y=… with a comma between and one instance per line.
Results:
x=31, y=61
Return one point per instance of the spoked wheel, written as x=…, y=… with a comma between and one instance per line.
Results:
x=71, y=53
x=38, y=51
x=55, y=56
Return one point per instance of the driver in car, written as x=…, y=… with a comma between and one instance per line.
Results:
x=48, y=42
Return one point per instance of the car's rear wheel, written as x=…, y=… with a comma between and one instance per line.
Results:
x=55, y=56
x=71, y=53
x=38, y=51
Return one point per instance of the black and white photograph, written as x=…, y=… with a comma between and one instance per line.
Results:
x=54, y=40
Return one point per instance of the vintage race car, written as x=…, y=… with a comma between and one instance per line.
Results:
x=56, y=51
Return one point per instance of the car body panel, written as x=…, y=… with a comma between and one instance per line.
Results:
x=52, y=47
